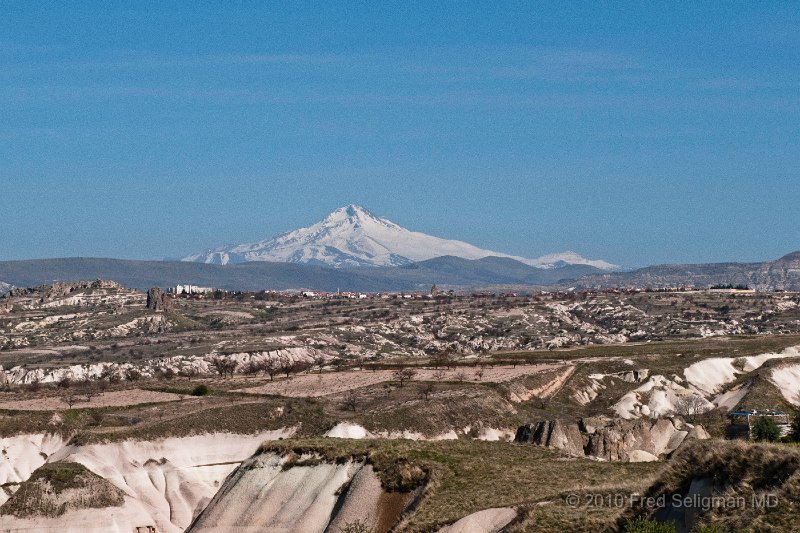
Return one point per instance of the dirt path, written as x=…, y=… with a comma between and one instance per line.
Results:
x=550, y=389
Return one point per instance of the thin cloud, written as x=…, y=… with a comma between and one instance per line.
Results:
x=145, y=61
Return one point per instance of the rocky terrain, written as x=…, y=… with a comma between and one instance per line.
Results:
x=122, y=410
x=94, y=330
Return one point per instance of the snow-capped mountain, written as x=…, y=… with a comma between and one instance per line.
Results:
x=351, y=236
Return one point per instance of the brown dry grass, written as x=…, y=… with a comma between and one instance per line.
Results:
x=120, y=398
x=326, y=383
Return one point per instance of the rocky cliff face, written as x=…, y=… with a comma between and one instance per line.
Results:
x=612, y=439
x=553, y=434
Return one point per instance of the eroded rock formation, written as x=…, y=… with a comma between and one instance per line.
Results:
x=612, y=439
x=158, y=300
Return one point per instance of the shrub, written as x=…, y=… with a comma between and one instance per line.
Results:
x=200, y=390
x=355, y=527
x=711, y=528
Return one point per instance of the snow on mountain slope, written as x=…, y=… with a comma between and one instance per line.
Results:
x=351, y=236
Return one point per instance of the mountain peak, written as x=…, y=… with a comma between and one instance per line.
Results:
x=353, y=236
x=351, y=211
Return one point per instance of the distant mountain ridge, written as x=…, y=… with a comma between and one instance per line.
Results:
x=352, y=236
x=447, y=271
x=780, y=274
x=259, y=275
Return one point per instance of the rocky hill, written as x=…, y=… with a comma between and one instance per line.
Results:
x=781, y=274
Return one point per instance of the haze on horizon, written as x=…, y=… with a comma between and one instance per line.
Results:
x=636, y=135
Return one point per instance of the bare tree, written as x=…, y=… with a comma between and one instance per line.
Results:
x=224, y=366
x=442, y=359
x=33, y=386
x=166, y=373
x=739, y=363
x=479, y=372
x=319, y=360
x=286, y=366
x=86, y=389
x=404, y=374
x=188, y=372
x=270, y=367
x=70, y=400
x=132, y=374
x=252, y=367
x=110, y=374
x=218, y=364
x=691, y=405
x=439, y=375
x=302, y=366
x=426, y=389
x=351, y=400
x=461, y=376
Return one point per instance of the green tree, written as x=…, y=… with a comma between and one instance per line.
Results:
x=796, y=426
x=765, y=429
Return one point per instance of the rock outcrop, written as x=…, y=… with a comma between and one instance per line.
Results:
x=612, y=439
x=158, y=300
x=553, y=434
x=60, y=289
x=166, y=482
x=267, y=493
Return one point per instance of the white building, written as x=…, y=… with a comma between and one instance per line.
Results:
x=190, y=289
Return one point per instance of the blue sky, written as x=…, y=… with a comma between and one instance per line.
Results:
x=625, y=132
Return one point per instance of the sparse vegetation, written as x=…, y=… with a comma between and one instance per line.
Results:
x=357, y=526
x=55, y=488
x=644, y=525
